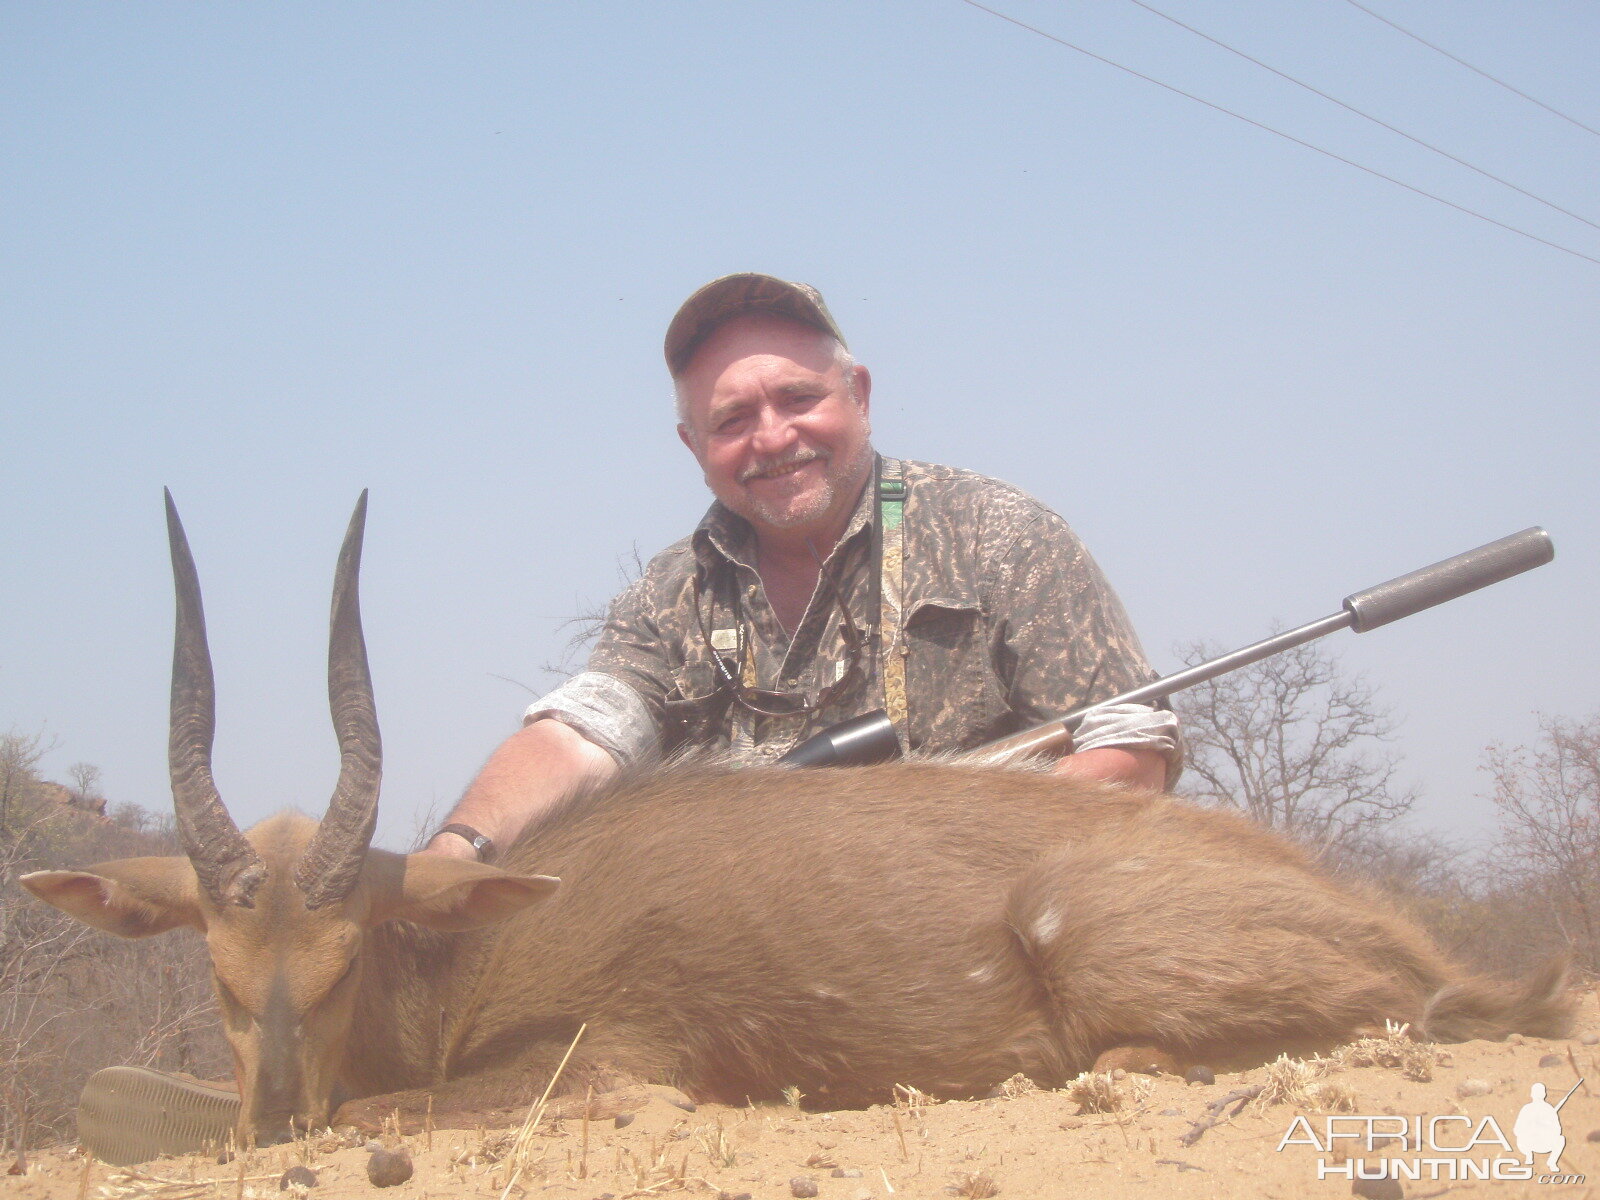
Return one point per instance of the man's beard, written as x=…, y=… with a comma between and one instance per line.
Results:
x=812, y=506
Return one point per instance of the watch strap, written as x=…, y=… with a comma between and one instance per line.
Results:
x=481, y=844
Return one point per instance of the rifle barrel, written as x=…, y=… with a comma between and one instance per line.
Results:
x=1362, y=611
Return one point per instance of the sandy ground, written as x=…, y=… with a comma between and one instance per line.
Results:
x=1029, y=1143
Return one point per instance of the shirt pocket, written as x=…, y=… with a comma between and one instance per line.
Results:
x=954, y=697
x=695, y=709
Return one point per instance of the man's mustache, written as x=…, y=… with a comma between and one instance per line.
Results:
x=771, y=466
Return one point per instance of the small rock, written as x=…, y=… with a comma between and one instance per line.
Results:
x=733, y=1196
x=1378, y=1189
x=1072, y=1123
x=684, y=1103
x=845, y=1173
x=1516, y=1039
x=388, y=1168
x=623, y=1120
x=1550, y=1060
x=802, y=1186
x=1468, y=1088
x=1589, y=1039
x=1203, y=1075
x=1119, y=1073
x=1172, y=1112
x=1592, y=1136
x=297, y=1176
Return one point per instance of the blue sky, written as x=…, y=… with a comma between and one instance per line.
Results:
x=271, y=254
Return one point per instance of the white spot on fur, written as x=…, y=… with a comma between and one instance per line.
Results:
x=1047, y=926
x=981, y=974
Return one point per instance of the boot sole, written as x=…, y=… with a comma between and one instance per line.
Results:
x=129, y=1115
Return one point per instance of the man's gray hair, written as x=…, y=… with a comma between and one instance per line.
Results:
x=842, y=358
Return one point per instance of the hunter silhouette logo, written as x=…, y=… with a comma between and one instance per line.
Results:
x=1450, y=1146
x=1538, y=1126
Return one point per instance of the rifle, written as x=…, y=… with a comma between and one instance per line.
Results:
x=871, y=738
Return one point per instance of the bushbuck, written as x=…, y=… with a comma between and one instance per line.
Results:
x=739, y=932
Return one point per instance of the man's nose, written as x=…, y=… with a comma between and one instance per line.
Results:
x=774, y=432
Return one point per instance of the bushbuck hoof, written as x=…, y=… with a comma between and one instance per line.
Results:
x=623, y=1101
x=376, y=1113
x=1139, y=1060
x=462, y=1105
x=128, y=1115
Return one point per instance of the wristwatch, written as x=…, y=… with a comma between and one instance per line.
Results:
x=481, y=845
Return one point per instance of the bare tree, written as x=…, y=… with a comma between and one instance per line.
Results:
x=1298, y=746
x=1548, y=799
x=19, y=779
x=86, y=787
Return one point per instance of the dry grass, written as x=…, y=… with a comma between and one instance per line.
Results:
x=1414, y=1060
x=977, y=1185
x=1017, y=1085
x=1304, y=1083
x=718, y=1148
x=1095, y=1093
x=520, y=1160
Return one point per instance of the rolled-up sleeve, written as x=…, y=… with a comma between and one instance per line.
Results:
x=616, y=702
x=1133, y=727
x=606, y=711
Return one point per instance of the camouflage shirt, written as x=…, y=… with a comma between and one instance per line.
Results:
x=1007, y=620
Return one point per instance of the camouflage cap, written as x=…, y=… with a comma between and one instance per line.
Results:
x=734, y=295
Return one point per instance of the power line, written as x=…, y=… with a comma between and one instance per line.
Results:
x=1366, y=116
x=1470, y=67
x=1280, y=133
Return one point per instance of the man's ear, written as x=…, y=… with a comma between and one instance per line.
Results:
x=863, y=388
x=686, y=436
x=132, y=897
x=452, y=894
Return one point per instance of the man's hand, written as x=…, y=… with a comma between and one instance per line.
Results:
x=1113, y=764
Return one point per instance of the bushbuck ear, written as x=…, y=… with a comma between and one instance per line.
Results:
x=132, y=897
x=452, y=894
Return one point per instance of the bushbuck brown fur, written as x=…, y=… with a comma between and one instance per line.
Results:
x=739, y=932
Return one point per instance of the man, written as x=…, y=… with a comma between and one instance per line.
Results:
x=824, y=583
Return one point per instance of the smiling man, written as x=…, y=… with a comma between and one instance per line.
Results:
x=825, y=582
